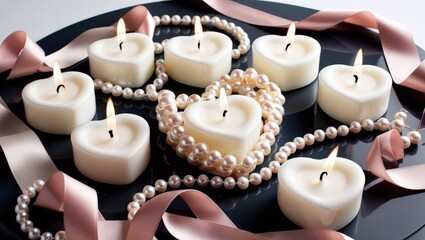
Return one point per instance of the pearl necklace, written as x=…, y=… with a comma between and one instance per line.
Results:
x=160, y=71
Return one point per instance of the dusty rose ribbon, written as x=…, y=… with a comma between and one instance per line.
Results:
x=397, y=41
x=390, y=147
x=23, y=57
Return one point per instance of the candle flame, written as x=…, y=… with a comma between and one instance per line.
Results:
x=289, y=39
x=111, y=123
x=57, y=77
x=199, y=36
x=224, y=106
x=358, y=62
x=330, y=161
x=121, y=32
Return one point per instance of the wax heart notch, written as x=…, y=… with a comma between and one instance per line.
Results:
x=228, y=136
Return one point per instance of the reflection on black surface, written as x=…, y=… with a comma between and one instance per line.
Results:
x=387, y=212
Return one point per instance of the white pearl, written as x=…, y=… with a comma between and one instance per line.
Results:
x=23, y=198
x=243, y=183
x=331, y=132
x=275, y=116
x=229, y=162
x=157, y=47
x=200, y=150
x=165, y=19
x=382, y=124
x=139, y=94
x=205, y=19
x=216, y=182
x=157, y=20
x=274, y=166
x=188, y=181
x=243, y=49
x=248, y=163
x=140, y=198
x=187, y=141
x=401, y=115
x=309, y=139
x=60, y=235
x=268, y=137
x=202, y=180
x=34, y=233
x=38, y=184
x=127, y=93
x=133, y=206
x=286, y=150
x=194, y=98
x=21, y=207
x=368, y=125
x=26, y=226
x=174, y=181
x=163, y=76
x=164, y=42
x=214, y=157
x=186, y=20
x=236, y=54
x=98, y=83
x=255, y=179
x=22, y=216
x=149, y=191
x=355, y=127
x=229, y=183
x=152, y=95
x=116, y=90
x=222, y=24
x=292, y=146
x=195, y=19
x=343, y=130
x=46, y=236
x=263, y=146
x=258, y=156
x=107, y=87
x=175, y=19
x=230, y=27
x=266, y=173
x=406, y=142
x=414, y=136
x=281, y=157
x=262, y=81
x=160, y=185
x=159, y=62
x=215, y=21
x=272, y=127
x=299, y=142
x=398, y=124
x=319, y=135
x=182, y=101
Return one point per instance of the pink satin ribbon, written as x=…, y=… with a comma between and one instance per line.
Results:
x=397, y=41
x=23, y=56
x=388, y=146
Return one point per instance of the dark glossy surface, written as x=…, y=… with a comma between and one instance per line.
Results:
x=387, y=212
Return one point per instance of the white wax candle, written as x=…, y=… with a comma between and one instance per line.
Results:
x=330, y=203
x=346, y=101
x=290, y=69
x=51, y=111
x=189, y=65
x=130, y=67
x=117, y=160
x=234, y=134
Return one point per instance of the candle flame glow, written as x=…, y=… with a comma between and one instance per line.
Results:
x=199, y=36
x=358, y=62
x=110, y=116
x=330, y=161
x=57, y=77
x=224, y=106
x=289, y=39
x=121, y=32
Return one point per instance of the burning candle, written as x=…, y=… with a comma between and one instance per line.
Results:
x=60, y=103
x=322, y=194
x=232, y=128
x=291, y=62
x=354, y=93
x=208, y=55
x=115, y=150
x=126, y=60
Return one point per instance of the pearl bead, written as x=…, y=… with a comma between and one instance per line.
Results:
x=243, y=48
x=175, y=19
x=398, y=125
x=243, y=183
x=30, y=191
x=107, y=87
x=196, y=19
x=149, y=191
x=186, y=20
x=46, y=236
x=272, y=127
x=34, y=233
x=368, y=125
x=140, y=198
x=116, y=90
x=309, y=139
x=229, y=183
x=165, y=19
x=98, y=83
x=182, y=101
x=292, y=146
x=286, y=150
x=174, y=119
x=262, y=81
x=414, y=136
x=194, y=98
x=274, y=166
x=268, y=137
x=263, y=146
x=215, y=21
x=281, y=157
x=187, y=141
x=22, y=216
x=401, y=115
x=248, y=163
x=160, y=185
x=222, y=24
x=319, y=135
x=158, y=83
x=343, y=130
x=406, y=142
x=266, y=173
x=23, y=198
x=236, y=54
x=60, y=235
x=229, y=162
x=275, y=116
x=188, y=181
x=26, y=226
x=159, y=62
x=157, y=20
x=164, y=77
x=299, y=142
x=383, y=124
x=258, y=156
x=331, y=132
x=216, y=182
x=21, y=207
x=200, y=150
x=127, y=93
x=355, y=127
x=174, y=181
x=133, y=206
x=255, y=179
x=205, y=19
x=202, y=180
x=139, y=94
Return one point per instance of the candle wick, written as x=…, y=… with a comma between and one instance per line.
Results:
x=323, y=174
x=111, y=133
x=356, y=78
x=199, y=44
x=59, y=87
x=224, y=113
x=287, y=46
x=121, y=45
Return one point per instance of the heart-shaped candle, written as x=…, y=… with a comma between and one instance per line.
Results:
x=233, y=132
x=314, y=194
x=200, y=59
x=126, y=60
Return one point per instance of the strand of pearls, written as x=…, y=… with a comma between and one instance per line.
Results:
x=265, y=173
x=22, y=214
x=222, y=24
x=249, y=83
